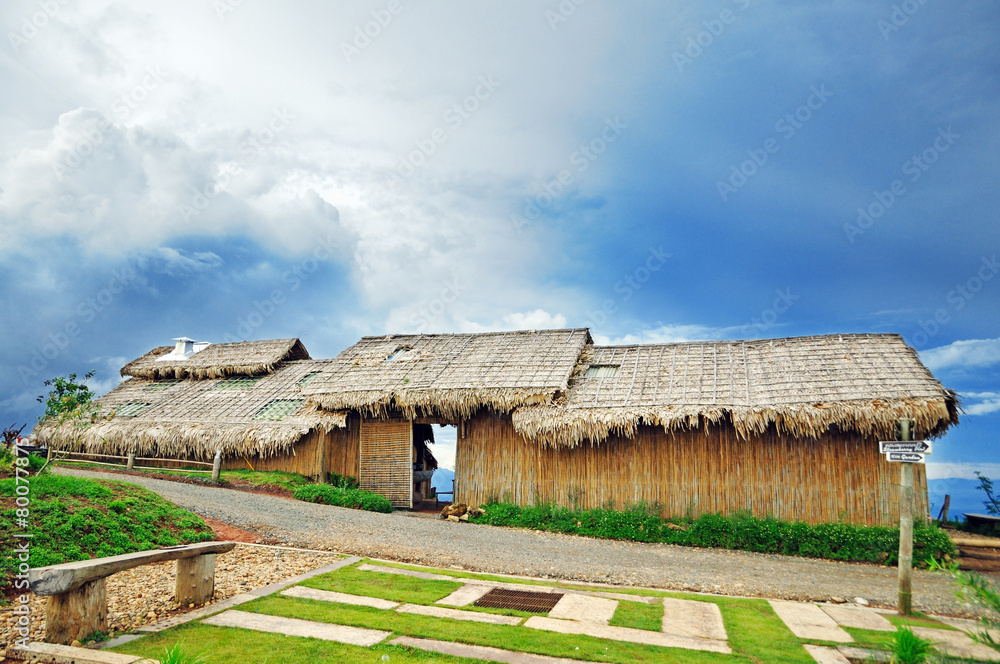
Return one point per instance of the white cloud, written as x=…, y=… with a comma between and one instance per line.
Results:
x=664, y=334
x=988, y=402
x=967, y=353
x=959, y=470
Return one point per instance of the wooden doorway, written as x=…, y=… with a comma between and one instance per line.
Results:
x=386, y=460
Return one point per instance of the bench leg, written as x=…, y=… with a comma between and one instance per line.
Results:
x=195, y=579
x=77, y=614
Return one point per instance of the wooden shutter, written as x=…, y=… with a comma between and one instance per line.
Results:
x=386, y=464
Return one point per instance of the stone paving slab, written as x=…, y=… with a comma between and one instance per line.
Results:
x=481, y=652
x=685, y=617
x=407, y=572
x=626, y=634
x=456, y=614
x=808, y=621
x=355, y=636
x=465, y=595
x=342, y=598
x=957, y=644
x=861, y=618
x=51, y=652
x=824, y=655
x=619, y=596
x=864, y=654
x=292, y=580
x=182, y=618
x=965, y=624
x=584, y=608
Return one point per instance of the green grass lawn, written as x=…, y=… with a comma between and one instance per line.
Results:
x=756, y=634
x=240, y=476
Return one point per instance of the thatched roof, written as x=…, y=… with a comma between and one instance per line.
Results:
x=450, y=375
x=239, y=415
x=247, y=358
x=803, y=386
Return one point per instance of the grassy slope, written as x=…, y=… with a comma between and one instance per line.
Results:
x=73, y=518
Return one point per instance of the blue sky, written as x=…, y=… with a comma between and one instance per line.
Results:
x=655, y=171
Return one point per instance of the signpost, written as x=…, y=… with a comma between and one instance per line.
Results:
x=907, y=452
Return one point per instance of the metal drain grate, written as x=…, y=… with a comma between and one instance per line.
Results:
x=520, y=600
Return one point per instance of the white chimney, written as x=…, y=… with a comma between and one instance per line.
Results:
x=183, y=349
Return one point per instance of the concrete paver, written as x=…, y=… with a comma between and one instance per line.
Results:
x=343, y=598
x=456, y=614
x=856, y=616
x=958, y=644
x=967, y=625
x=824, y=655
x=685, y=617
x=356, y=636
x=481, y=652
x=584, y=608
x=864, y=654
x=406, y=572
x=465, y=595
x=808, y=621
x=627, y=634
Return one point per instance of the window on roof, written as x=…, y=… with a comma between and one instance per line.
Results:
x=236, y=383
x=602, y=370
x=131, y=409
x=160, y=385
x=308, y=378
x=278, y=409
x=396, y=354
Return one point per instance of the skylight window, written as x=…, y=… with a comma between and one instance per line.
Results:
x=308, y=378
x=131, y=409
x=236, y=383
x=396, y=354
x=278, y=409
x=160, y=385
x=602, y=371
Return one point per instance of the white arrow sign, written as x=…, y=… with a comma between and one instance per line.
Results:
x=920, y=446
x=905, y=457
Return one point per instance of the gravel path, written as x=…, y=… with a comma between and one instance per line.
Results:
x=408, y=538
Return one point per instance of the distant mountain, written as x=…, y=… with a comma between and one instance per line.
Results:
x=443, y=479
x=965, y=496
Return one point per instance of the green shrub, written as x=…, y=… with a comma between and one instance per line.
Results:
x=353, y=498
x=834, y=541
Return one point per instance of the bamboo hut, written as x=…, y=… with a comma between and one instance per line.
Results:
x=243, y=400
x=781, y=427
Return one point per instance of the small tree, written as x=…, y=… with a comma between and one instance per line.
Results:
x=992, y=503
x=69, y=404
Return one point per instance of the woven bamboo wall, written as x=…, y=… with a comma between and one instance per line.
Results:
x=386, y=460
x=832, y=479
x=336, y=451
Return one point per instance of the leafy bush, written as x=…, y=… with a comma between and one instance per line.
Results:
x=834, y=541
x=353, y=498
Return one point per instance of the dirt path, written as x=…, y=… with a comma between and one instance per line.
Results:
x=407, y=538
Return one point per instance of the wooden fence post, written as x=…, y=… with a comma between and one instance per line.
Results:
x=905, y=525
x=217, y=466
x=130, y=462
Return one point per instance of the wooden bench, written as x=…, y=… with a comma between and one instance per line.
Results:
x=77, y=592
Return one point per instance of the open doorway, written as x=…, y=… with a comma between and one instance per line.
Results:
x=443, y=481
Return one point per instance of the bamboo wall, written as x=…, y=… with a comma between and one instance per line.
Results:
x=832, y=479
x=315, y=455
